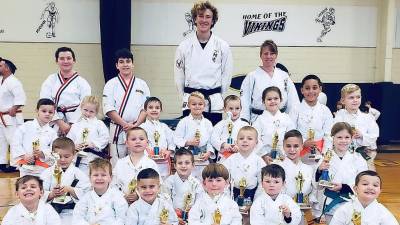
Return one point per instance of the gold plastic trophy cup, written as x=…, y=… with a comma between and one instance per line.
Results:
x=217, y=216
x=164, y=215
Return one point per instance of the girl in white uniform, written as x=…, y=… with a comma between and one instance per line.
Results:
x=265, y=76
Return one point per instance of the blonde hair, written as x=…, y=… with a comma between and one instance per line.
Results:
x=197, y=94
x=91, y=99
x=348, y=89
x=248, y=128
x=230, y=98
x=100, y=163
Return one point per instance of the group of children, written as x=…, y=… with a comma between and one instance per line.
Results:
x=267, y=173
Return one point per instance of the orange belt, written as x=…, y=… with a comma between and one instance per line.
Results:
x=37, y=163
x=226, y=154
x=319, y=146
x=6, y=113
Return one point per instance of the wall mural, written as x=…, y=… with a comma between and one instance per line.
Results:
x=327, y=18
x=49, y=18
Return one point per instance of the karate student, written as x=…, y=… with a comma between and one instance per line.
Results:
x=343, y=167
x=31, y=144
x=366, y=130
x=367, y=187
x=104, y=204
x=271, y=122
x=245, y=164
x=203, y=63
x=215, y=204
x=160, y=131
x=273, y=205
x=372, y=111
x=123, y=99
x=127, y=168
x=73, y=182
x=182, y=187
x=89, y=134
x=30, y=210
x=194, y=132
x=66, y=88
x=150, y=209
x=12, y=98
x=312, y=116
x=263, y=77
x=224, y=134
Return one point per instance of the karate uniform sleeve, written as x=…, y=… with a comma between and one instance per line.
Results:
x=209, y=145
x=195, y=215
x=120, y=208
x=179, y=70
x=18, y=92
x=293, y=97
x=327, y=126
x=108, y=101
x=46, y=176
x=17, y=149
x=246, y=91
x=227, y=68
x=180, y=134
x=80, y=211
x=389, y=219
x=216, y=135
x=369, y=138
x=236, y=216
x=340, y=217
x=375, y=113
x=295, y=212
x=132, y=215
x=73, y=133
x=261, y=148
x=257, y=213
x=85, y=88
x=101, y=141
x=170, y=138
x=9, y=218
x=52, y=216
x=83, y=186
x=45, y=90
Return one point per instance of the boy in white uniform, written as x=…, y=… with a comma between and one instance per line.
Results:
x=203, y=62
x=12, y=98
x=272, y=205
x=224, y=134
x=104, y=204
x=263, y=77
x=366, y=130
x=31, y=145
x=89, y=134
x=123, y=99
x=312, y=118
x=127, y=168
x=66, y=88
x=365, y=204
x=214, y=206
x=150, y=209
x=63, y=183
x=31, y=210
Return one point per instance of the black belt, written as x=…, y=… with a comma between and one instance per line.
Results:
x=100, y=154
x=248, y=193
x=206, y=92
x=70, y=205
x=257, y=111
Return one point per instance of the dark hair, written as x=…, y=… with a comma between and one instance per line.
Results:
x=64, y=49
x=22, y=180
x=44, y=101
x=181, y=152
x=123, y=53
x=134, y=129
x=63, y=143
x=152, y=99
x=201, y=7
x=11, y=66
x=148, y=173
x=215, y=170
x=270, y=44
x=339, y=126
x=311, y=77
x=273, y=170
x=100, y=163
x=368, y=103
x=231, y=98
x=293, y=133
x=367, y=173
x=269, y=89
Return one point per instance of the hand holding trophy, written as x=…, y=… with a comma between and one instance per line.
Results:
x=325, y=180
x=217, y=216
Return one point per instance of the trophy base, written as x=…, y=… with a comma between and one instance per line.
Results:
x=158, y=157
x=244, y=210
x=62, y=199
x=304, y=206
x=325, y=183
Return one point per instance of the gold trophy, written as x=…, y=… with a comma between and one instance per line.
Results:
x=300, y=198
x=230, y=129
x=84, y=144
x=311, y=136
x=85, y=135
x=186, y=206
x=196, y=150
x=242, y=188
x=156, y=149
x=274, y=149
x=35, y=147
x=132, y=186
x=164, y=215
x=325, y=180
x=356, y=217
x=217, y=216
x=57, y=174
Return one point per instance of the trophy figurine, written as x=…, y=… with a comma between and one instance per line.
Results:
x=164, y=216
x=85, y=135
x=300, y=198
x=196, y=149
x=242, y=188
x=311, y=136
x=35, y=147
x=84, y=144
x=186, y=206
x=132, y=186
x=230, y=129
x=57, y=174
x=156, y=148
x=274, y=149
x=217, y=216
x=324, y=180
x=356, y=217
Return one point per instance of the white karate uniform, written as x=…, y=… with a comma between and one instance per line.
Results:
x=343, y=171
x=250, y=168
x=142, y=213
x=127, y=100
x=204, y=208
x=322, y=98
x=45, y=215
x=67, y=177
x=11, y=94
x=69, y=93
x=176, y=189
x=265, y=209
x=21, y=145
x=374, y=214
x=220, y=133
x=253, y=86
x=108, y=209
x=206, y=68
x=363, y=122
x=374, y=112
x=98, y=135
x=166, y=140
x=267, y=124
x=124, y=171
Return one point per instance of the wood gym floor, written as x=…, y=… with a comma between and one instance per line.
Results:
x=387, y=164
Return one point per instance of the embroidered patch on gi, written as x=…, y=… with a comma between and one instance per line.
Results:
x=179, y=63
x=241, y=92
x=215, y=55
x=140, y=91
x=184, y=104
